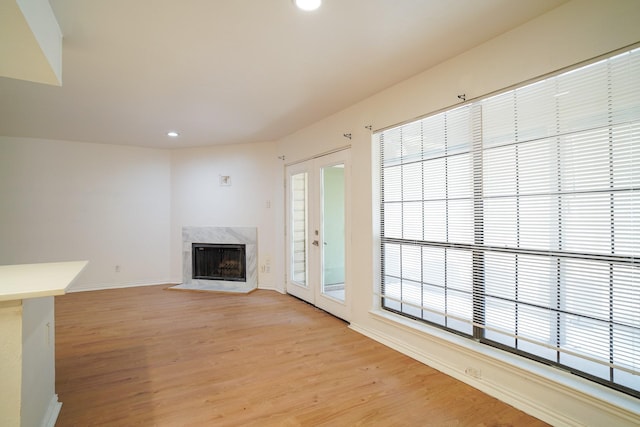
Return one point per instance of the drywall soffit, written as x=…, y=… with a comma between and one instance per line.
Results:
x=30, y=42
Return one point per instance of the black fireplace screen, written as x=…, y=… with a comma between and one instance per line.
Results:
x=219, y=261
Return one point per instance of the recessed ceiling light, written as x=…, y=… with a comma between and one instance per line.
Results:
x=173, y=134
x=308, y=4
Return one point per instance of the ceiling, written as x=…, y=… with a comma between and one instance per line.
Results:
x=236, y=71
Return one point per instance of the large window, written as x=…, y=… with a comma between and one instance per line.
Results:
x=515, y=220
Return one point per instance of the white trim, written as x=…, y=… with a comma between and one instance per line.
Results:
x=315, y=156
x=550, y=394
x=102, y=287
x=271, y=288
x=53, y=410
x=169, y=283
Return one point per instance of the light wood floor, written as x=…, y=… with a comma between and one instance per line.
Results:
x=153, y=357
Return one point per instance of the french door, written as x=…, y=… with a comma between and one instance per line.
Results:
x=318, y=232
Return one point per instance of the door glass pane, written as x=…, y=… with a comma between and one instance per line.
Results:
x=333, y=234
x=299, y=224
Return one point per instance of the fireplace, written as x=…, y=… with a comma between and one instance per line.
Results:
x=213, y=276
x=212, y=261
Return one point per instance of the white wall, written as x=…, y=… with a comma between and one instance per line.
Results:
x=66, y=201
x=252, y=199
x=10, y=365
x=39, y=399
x=574, y=32
x=125, y=206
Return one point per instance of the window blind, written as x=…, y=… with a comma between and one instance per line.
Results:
x=515, y=220
x=299, y=231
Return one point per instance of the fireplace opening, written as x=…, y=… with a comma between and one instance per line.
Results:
x=213, y=261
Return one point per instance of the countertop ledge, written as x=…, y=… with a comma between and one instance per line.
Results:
x=24, y=281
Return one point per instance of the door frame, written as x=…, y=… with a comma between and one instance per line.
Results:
x=297, y=289
x=313, y=292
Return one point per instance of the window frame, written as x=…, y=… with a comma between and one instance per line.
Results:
x=478, y=284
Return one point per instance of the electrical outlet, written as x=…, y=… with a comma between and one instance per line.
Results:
x=473, y=372
x=117, y=268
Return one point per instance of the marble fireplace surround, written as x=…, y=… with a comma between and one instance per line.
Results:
x=234, y=235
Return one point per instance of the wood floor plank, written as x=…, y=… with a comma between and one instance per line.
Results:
x=148, y=356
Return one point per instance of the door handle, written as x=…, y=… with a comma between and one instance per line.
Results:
x=315, y=243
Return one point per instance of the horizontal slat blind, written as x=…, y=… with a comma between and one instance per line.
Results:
x=299, y=230
x=516, y=220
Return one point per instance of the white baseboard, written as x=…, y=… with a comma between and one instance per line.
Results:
x=86, y=288
x=546, y=393
x=51, y=416
x=270, y=288
x=101, y=287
